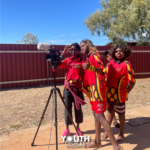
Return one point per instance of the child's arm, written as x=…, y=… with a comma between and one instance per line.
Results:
x=130, y=86
x=130, y=76
x=106, y=72
x=63, y=64
x=99, y=70
x=66, y=49
x=76, y=66
x=87, y=66
x=98, y=64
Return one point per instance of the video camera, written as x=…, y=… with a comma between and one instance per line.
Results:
x=52, y=55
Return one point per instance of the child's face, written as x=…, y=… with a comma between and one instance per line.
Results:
x=84, y=48
x=119, y=54
x=108, y=57
x=74, y=51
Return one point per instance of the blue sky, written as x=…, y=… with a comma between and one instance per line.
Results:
x=58, y=22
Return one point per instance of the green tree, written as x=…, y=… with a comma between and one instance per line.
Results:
x=29, y=38
x=121, y=20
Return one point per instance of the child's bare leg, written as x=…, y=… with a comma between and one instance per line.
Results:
x=67, y=127
x=122, y=123
x=109, y=116
x=97, y=142
x=114, y=119
x=115, y=123
x=108, y=130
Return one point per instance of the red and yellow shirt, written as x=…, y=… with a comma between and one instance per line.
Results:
x=73, y=75
x=117, y=76
x=94, y=83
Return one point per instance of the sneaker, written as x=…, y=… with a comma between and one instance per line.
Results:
x=116, y=124
x=79, y=132
x=66, y=133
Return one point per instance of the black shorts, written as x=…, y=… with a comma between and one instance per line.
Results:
x=69, y=99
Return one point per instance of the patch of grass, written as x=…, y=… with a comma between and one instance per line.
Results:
x=37, y=123
x=142, y=86
x=15, y=126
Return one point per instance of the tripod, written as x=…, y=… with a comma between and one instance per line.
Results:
x=55, y=99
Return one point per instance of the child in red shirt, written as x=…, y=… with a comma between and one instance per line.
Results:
x=94, y=87
x=73, y=86
x=120, y=81
x=109, y=58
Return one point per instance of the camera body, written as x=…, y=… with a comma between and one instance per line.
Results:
x=52, y=55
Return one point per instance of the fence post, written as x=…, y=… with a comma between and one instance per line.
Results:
x=47, y=74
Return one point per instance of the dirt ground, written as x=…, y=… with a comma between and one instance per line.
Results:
x=22, y=108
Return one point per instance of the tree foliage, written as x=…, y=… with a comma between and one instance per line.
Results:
x=121, y=20
x=29, y=38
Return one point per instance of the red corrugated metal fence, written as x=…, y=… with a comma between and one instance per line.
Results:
x=22, y=65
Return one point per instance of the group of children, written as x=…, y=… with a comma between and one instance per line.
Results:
x=106, y=87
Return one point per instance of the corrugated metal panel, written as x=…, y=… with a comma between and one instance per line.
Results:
x=22, y=65
x=140, y=60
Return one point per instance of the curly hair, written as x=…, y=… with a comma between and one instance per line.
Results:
x=90, y=45
x=76, y=45
x=127, y=50
x=108, y=52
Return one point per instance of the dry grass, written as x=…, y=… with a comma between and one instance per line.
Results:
x=23, y=108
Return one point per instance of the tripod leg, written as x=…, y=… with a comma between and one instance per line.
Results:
x=32, y=144
x=58, y=90
x=56, y=117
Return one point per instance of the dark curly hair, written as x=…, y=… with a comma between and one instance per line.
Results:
x=127, y=50
x=108, y=52
x=76, y=45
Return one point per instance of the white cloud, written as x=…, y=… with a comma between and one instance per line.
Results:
x=56, y=41
x=74, y=34
x=58, y=36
